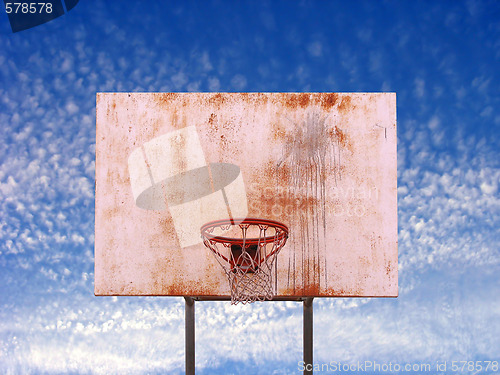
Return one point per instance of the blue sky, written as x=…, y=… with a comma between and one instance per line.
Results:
x=442, y=59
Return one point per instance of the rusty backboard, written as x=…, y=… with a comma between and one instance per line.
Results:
x=324, y=164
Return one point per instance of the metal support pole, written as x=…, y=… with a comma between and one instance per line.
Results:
x=308, y=335
x=189, y=330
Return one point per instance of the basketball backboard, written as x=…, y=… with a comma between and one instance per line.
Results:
x=323, y=164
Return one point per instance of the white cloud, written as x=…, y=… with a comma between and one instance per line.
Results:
x=376, y=62
x=434, y=123
x=72, y=108
x=315, y=49
x=193, y=86
x=213, y=84
x=487, y=112
x=67, y=63
x=461, y=92
x=137, y=335
x=76, y=238
x=481, y=84
x=386, y=87
x=365, y=35
x=419, y=87
x=447, y=231
x=205, y=62
x=239, y=82
x=179, y=80
x=419, y=225
x=488, y=189
x=267, y=19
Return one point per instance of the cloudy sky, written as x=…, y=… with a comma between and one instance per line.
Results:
x=442, y=59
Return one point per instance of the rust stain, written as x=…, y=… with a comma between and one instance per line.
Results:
x=176, y=290
x=180, y=159
x=315, y=290
x=217, y=100
x=223, y=142
x=345, y=105
x=116, y=178
x=253, y=99
x=305, y=290
x=344, y=292
x=340, y=136
x=308, y=160
x=175, y=118
x=112, y=113
x=296, y=100
x=209, y=283
x=111, y=213
x=328, y=100
x=310, y=289
x=308, y=157
x=167, y=226
x=246, y=97
x=388, y=269
x=220, y=132
x=212, y=119
x=279, y=132
x=261, y=98
x=165, y=98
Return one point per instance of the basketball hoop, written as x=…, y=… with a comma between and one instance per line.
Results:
x=247, y=249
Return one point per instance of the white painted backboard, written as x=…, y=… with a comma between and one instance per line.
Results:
x=324, y=164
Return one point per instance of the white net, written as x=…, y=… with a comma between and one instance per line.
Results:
x=247, y=250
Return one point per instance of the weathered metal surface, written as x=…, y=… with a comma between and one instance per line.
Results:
x=324, y=164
